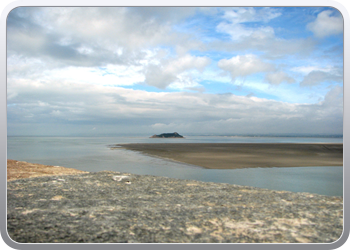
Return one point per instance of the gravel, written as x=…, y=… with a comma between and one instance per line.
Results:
x=126, y=208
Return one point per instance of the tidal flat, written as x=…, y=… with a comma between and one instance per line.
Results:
x=245, y=155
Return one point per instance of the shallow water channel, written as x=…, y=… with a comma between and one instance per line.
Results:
x=94, y=154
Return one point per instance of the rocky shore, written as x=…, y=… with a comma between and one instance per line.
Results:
x=126, y=208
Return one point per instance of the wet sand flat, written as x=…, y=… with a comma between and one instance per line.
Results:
x=245, y=155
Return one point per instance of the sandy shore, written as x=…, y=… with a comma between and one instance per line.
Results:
x=21, y=169
x=245, y=155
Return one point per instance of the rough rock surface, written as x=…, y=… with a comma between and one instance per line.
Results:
x=118, y=207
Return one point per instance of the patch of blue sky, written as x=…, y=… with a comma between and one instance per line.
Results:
x=203, y=27
x=284, y=92
x=316, y=93
x=320, y=60
x=100, y=70
x=214, y=55
x=293, y=20
x=329, y=42
x=288, y=63
x=216, y=87
x=103, y=71
x=245, y=90
x=319, y=90
x=292, y=24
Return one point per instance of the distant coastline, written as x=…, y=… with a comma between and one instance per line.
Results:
x=189, y=134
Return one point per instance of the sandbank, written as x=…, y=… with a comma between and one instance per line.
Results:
x=245, y=155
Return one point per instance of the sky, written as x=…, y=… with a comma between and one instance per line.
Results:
x=93, y=71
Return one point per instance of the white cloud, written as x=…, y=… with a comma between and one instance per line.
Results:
x=278, y=77
x=317, y=77
x=176, y=72
x=239, y=32
x=185, y=81
x=334, y=99
x=56, y=113
x=240, y=66
x=248, y=29
x=104, y=106
x=89, y=36
x=65, y=66
x=308, y=69
x=243, y=15
x=326, y=24
x=117, y=75
x=85, y=50
x=235, y=19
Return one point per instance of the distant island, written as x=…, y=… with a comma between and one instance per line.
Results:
x=167, y=135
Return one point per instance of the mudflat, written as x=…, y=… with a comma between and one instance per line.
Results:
x=245, y=155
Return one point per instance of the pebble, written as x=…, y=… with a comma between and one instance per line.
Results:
x=165, y=211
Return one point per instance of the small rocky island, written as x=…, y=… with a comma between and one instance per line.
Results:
x=168, y=135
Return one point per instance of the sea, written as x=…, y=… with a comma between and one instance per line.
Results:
x=94, y=154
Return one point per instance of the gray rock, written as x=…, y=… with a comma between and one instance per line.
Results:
x=107, y=207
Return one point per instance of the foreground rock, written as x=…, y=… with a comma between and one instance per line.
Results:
x=118, y=207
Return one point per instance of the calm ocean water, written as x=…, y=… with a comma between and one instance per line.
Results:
x=93, y=154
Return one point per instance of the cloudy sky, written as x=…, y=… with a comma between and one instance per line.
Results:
x=143, y=71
